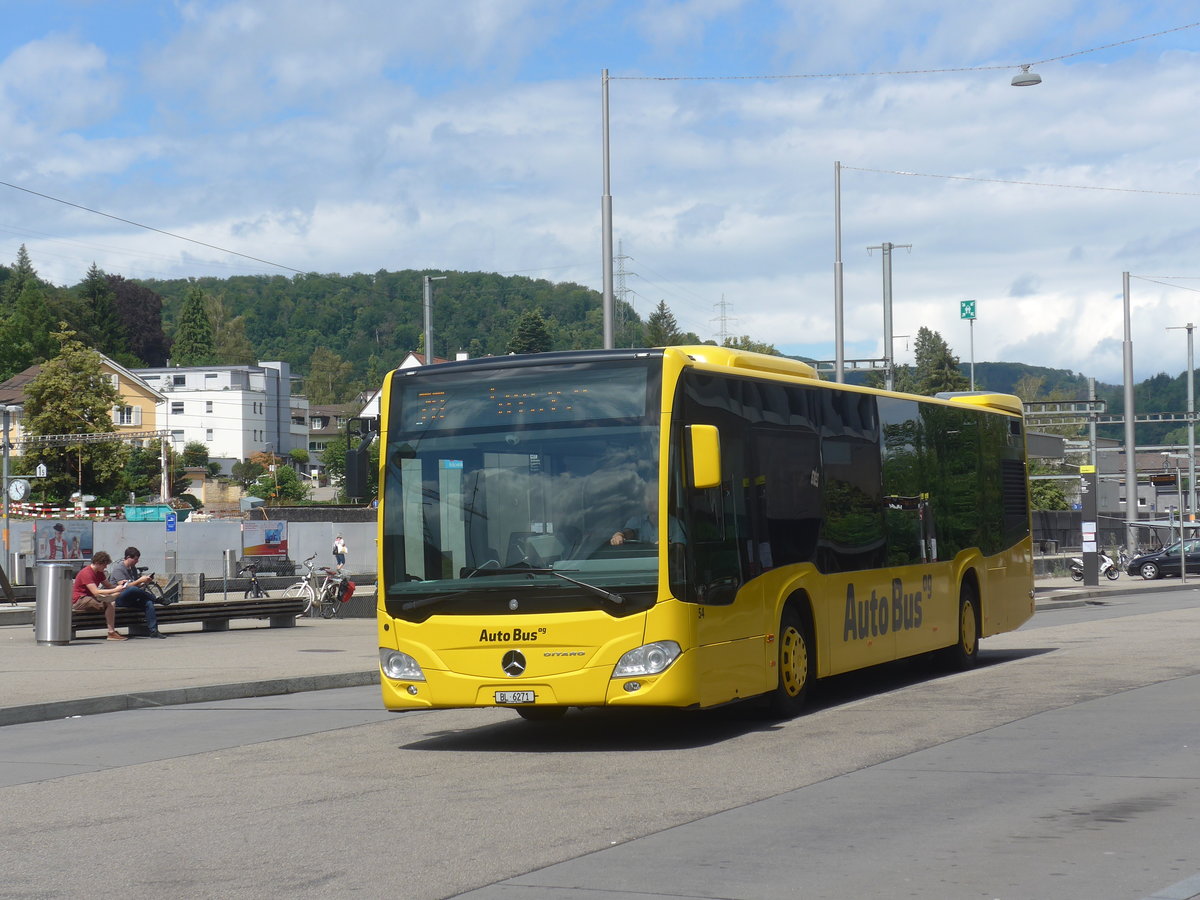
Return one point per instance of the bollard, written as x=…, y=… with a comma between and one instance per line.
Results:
x=52, y=613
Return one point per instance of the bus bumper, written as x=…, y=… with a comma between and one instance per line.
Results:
x=594, y=686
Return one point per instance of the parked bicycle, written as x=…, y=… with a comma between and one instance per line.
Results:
x=325, y=599
x=304, y=588
x=335, y=590
x=255, y=591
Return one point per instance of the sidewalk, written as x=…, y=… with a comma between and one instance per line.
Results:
x=91, y=675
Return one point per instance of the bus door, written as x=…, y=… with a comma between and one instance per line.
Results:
x=712, y=572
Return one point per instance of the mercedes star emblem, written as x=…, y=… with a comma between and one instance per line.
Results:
x=513, y=663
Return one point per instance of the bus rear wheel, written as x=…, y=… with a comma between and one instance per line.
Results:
x=797, y=665
x=965, y=652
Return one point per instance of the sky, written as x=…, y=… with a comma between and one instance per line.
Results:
x=466, y=135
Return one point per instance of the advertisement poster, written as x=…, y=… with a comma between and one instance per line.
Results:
x=63, y=539
x=264, y=539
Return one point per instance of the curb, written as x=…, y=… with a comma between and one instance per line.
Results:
x=90, y=706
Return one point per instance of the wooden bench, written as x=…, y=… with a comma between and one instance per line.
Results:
x=214, y=615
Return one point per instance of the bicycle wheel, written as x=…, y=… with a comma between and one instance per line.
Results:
x=156, y=591
x=329, y=602
x=301, y=590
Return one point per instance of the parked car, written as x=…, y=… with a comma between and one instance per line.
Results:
x=1166, y=561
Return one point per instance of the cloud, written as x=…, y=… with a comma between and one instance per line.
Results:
x=466, y=135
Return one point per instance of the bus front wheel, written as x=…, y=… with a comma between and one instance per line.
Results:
x=797, y=665
x=965, y=652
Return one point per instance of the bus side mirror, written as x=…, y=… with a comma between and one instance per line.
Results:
x=356, y=473
x=706, y=455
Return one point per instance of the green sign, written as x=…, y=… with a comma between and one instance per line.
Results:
x=966, y=309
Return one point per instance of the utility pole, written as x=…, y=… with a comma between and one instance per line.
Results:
x=723, y=321
x=427, y=303
x=889, y=374
x=1191, y=425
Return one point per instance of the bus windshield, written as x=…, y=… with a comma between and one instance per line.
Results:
x=507, y=478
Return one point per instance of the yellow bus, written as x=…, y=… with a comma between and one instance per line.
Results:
x=684, y=527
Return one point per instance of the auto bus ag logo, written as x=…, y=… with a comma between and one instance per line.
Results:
x=513, y=663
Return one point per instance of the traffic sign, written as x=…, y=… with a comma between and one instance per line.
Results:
x=172, y=519
x=41, y=471
x=966, y=309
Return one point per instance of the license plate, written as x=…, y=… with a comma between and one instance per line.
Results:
x=514, y=697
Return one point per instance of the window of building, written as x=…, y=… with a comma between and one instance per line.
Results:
x=208, y=434
x=177, y=407
x=179, y=380
x=208, y=406
x=129, y=415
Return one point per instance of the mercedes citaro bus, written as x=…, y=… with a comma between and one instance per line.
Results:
x=684, y=527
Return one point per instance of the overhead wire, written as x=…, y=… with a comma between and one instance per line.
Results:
x=1077, y=187
x=779, y=77
x=170, y=234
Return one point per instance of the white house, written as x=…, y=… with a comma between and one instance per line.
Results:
x=235, y=410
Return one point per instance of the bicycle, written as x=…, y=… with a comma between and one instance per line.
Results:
x=303, y=588
x=329, y=596
x=255, y=592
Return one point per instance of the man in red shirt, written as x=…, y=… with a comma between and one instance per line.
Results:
x=91, y=591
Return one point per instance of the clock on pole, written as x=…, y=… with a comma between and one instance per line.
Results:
x=18, y=489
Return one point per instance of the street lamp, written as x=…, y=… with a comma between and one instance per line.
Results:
x=427, y=295
x=1191, y=425
x=9, y=411
x=1025, y=78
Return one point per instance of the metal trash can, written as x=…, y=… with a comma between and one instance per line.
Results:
x=52, y=614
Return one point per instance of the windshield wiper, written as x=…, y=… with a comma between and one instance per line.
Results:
x=407, y=605
x=610, y=596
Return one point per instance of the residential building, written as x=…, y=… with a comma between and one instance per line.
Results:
x=236, y=411
x=138, y=411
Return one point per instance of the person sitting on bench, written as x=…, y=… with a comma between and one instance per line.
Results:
x=91, y=592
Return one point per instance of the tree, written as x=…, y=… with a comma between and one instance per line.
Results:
x=230, y=344
x=333, y=458
x=194, y=344
x=745, y=343
x=937, y=369
x=26, y=319
x=661, y=328
x=281, y=486
x=530, y=334
x=100, y=323
x=71, y=396
x=139, y=313
x=246, y=473
x=329, y=378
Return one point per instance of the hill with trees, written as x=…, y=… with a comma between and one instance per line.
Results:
x=343, y=332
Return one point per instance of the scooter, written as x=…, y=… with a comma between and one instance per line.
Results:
x=1107, y=568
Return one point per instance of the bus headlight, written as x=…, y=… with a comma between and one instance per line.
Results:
x=648, y=659
x=399, y=666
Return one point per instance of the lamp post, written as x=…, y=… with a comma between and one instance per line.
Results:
x=1191, y=425
x=8, y=411
x=606, y=228
x=427, y=295
x=839, y=352
x=1130, y=444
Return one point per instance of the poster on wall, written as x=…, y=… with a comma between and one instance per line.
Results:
x=264, y=539
x=58, y=539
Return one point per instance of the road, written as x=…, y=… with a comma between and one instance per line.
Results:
x=1067, y=765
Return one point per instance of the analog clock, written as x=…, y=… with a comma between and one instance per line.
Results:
x=18, y=489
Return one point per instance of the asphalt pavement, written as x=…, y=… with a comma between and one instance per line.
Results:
x=91, y=675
